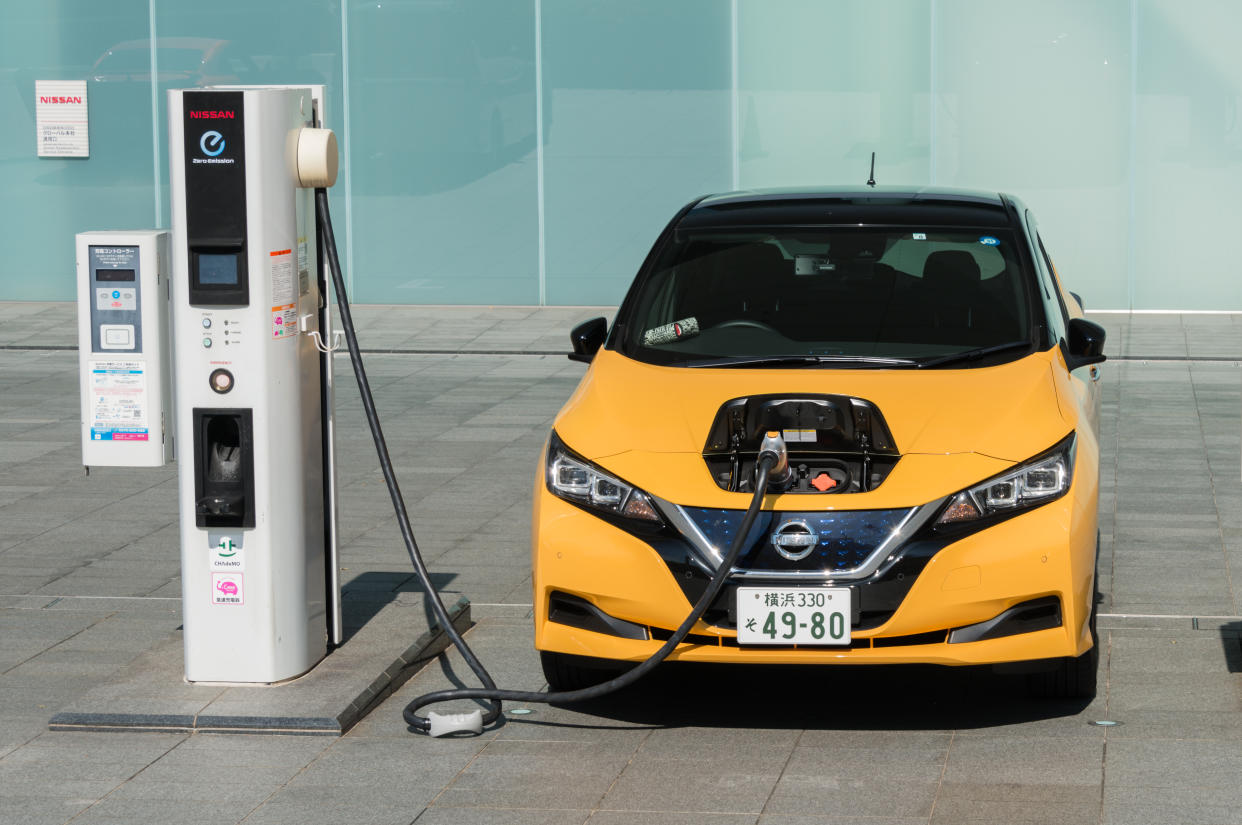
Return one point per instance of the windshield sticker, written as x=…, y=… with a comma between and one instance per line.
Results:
x=668, y=333
x=988, y=240
x=920, y=236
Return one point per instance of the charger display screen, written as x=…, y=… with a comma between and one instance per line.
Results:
x=217, y=270
x=102, y=275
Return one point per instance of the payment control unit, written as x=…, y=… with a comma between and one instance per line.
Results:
x=126, y=386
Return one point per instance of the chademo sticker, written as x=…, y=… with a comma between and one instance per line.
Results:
x=988, y=240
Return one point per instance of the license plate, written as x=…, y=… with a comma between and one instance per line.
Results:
x=793, y=615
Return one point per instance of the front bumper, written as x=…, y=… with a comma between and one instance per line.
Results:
x=1046, y=555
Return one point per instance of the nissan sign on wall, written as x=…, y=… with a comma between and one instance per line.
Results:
x=60, y=119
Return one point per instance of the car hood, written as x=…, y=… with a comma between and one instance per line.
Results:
x=645, y=421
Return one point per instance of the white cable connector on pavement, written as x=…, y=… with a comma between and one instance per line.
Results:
x=445, y=723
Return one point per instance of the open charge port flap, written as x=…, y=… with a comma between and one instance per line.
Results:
x=836, y=443
x=223, y=468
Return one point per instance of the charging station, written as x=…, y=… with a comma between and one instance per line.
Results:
x=253, y=382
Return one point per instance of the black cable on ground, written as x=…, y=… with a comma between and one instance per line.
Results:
x=489, y=691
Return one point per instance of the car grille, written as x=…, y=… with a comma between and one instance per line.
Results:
x=844, y=540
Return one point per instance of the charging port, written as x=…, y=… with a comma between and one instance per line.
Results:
x=223, y=468
x=836, y=444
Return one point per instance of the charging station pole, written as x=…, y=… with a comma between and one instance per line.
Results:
x=256, y=474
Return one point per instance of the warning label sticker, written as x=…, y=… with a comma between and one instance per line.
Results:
x=118, y=401
x=284, y=294
x=226, y=588
x=284, y=321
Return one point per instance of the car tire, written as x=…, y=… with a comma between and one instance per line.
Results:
x=566, y=672
x=1074, y=677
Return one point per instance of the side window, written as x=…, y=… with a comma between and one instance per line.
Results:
x=1054, y=307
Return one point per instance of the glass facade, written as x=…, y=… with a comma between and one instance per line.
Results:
x=529, y=151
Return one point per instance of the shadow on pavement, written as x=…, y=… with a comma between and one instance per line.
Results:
x=892, y=697
x=1231, y=644
x=365, y=595
x=880, y=697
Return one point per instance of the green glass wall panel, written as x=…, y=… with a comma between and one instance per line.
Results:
x=1188, y=170
x=48, y=200
x=249, y=43
x=824, y=83
x=1034, y=99
x=637, y=95
x=442, y=151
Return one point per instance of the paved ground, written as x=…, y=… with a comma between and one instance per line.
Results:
x=89, y=579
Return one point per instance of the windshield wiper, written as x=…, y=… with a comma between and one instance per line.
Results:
x=972, y=354
x=803, y=361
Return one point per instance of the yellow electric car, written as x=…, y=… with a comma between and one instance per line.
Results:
x=934, y=388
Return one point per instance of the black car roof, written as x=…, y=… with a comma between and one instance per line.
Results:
x=836, y=206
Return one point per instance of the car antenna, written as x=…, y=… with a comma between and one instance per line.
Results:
x=871, y=180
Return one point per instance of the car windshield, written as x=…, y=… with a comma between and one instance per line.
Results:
x=852, y=296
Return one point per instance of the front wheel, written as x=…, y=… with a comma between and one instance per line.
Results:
x=1074, y=677
x=566, y=672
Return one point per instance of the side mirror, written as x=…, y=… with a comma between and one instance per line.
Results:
x=1084, y=344
x=587, y=338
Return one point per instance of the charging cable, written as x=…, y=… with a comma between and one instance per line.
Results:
x=437, y=724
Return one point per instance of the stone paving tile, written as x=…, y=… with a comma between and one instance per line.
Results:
x=383, y=766
x=332, y=810
x=1190, y=805
x=1218, y=691
x=1045, y=804
x=787, y=819
x=1205, y=764
x=1180, y=656
x=499, y=815
x=739, y=785
x=1178, y=724
x=693, y=742
x=126, y=811
x=856, y=798
x=37, y=810
x=1025, y=761
x=515, y=772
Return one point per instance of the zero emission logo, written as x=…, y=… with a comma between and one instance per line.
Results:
x=212, y=143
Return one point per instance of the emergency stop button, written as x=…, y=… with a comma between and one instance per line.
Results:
x=221, y=381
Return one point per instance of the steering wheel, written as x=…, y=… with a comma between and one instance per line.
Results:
x=746, y=323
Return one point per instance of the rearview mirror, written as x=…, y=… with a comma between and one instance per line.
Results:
x=1084, y=343
x=587, y=338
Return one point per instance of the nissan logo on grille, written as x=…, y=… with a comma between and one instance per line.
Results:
x=795, y=540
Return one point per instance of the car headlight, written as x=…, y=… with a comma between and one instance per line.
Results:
x=573, y=478
x=1044, y=478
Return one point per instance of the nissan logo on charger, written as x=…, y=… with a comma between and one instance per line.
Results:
x=212, y=143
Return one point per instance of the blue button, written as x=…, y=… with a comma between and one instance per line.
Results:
x=116, y=293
